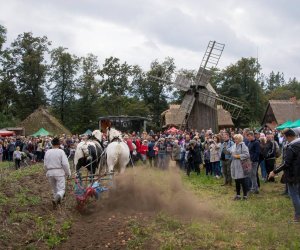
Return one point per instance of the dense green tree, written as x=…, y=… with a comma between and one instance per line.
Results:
x=85, y=111
x=115, y=77
x=274, y=81
x=3, y=32
x=155, y=93
x=64, y=68
x=30, y=71
x=240, y=81
x=8, y=89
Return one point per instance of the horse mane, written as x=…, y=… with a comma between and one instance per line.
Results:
x=97, y=134
x=113, y=133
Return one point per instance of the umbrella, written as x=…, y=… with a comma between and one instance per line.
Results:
x=284, y=125
x=41, y=132
x=172, y=130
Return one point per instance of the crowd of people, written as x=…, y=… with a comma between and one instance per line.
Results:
x=234, y=155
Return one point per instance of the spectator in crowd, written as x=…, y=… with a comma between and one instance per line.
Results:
x=291, y=168
x=151, y=151
x=162, y=153
x=254, y=151
x=270, y=155
x=1, y=151
x=11, y=148
x=144, y=151
x=129, y=144
x=17, y=156
x=262, y=145
x=207, y=163
x=176, y=153
x=191, y=157
x=239, y=151
x=169, y=144
x=214, y=147
x=5, y=150
x=226, y=158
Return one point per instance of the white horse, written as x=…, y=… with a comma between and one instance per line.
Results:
x=117, y=151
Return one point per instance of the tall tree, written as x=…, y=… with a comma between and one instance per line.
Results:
x=240, y=81
x=274, y=81
x=85, y=110
x=30, y=71
x=3, y=32
x=155, y=93
x=7, y=85
x=64, y=68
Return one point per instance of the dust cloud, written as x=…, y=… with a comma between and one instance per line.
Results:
x=143, y=189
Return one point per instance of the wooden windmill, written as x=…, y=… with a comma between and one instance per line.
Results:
x=199, y=106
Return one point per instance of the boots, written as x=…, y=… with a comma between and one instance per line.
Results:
x=56, y=201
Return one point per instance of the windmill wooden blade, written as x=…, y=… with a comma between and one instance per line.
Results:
x=186, y=108
x=232, y=105
x=182, y=83
x=187, y=103
x=209, y=61
x=208, y=98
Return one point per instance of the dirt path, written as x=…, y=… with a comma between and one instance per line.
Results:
x=96, y=230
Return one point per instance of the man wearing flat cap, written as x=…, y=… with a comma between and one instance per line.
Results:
x=291, y=168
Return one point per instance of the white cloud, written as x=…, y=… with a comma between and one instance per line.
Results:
x=140, y=31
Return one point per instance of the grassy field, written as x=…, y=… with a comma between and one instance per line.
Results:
x=261, y=222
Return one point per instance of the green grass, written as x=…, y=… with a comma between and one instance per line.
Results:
x=261, y=222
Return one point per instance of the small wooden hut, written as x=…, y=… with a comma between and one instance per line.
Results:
x=279, y=111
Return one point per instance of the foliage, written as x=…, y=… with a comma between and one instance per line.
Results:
x=79, y=90
x=240, y=81
x=28, y=53
x=64, y=68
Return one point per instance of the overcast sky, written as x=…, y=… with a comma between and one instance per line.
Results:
x=139, y=31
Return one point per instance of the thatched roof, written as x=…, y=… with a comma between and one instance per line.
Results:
x=41, y=118
x=224, y=118
x=173, y=116
x=279, y=111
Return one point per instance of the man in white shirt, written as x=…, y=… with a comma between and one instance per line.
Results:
x=57, y=166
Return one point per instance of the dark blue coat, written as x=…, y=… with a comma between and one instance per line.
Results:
x=254, y=150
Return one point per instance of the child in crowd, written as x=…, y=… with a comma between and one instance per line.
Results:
x=144, y=150
x=17, y=156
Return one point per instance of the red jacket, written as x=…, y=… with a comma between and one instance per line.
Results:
x=129, y=144
x=144, y=149
x=138, y=145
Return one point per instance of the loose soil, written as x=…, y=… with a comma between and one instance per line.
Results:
x=136, y=197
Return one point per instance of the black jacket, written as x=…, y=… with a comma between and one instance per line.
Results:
x=254, y=150
x=270, y=150
x=291, y=164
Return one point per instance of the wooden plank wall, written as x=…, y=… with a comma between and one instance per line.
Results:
x=203, y=117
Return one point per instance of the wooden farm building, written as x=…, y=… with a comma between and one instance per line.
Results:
x=279, y=111
x=41, y=118
x=174, y=117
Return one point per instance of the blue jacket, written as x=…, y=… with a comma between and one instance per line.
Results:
x=225, y=146
x=254, y=150
x=151, y=151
